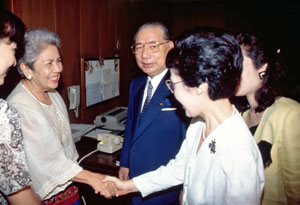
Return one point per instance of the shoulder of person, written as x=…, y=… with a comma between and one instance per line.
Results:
x=285, y=105
x=8, y=112
x=284, y=102
x=138, y=82
x=140, y=79
x=20, y=96
x=282, y=109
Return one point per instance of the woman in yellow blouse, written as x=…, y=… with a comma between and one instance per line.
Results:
x=273, y=120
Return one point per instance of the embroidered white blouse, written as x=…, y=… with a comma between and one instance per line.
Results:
x=227, y=169
x=48, y=143
x=14, y=174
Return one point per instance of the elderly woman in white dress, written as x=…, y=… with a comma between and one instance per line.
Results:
x=49, y=146
x=219, y=162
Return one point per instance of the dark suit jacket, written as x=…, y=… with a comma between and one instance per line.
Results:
x=154, y=140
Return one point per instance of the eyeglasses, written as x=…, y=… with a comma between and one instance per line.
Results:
x=170, y=84
x=153, y=47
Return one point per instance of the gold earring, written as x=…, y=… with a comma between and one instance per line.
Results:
x=29, y=77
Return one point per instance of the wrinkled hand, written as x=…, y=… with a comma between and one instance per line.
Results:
x=106, y=189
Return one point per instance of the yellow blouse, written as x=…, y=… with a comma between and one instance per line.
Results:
x=280, y=126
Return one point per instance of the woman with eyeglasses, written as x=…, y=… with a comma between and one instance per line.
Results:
x=219, y=162
x=15, y=181
x=273, y=120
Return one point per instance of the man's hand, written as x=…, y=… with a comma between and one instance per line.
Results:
x=124, y=173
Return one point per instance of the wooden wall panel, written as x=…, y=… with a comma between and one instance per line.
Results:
x=102, y=18
x=88, y=28
x=37, y=13
x=185, y=16
x=122, y=34
x=107, y=16
x=91, y=28
x=90, y=45
x=67, y=26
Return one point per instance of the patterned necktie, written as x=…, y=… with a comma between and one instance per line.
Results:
x=148, y=98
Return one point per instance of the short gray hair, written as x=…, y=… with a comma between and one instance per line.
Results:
x=166, y=31
x=36, y=40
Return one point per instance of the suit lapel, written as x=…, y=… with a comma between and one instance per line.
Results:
x=157, y=102
x=138, y=99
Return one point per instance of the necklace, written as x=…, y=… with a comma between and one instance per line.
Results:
x=60, y=129
x=47, y=110
x=51, y=113
x=40, y=96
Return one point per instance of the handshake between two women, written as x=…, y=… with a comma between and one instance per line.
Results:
x=114, y=187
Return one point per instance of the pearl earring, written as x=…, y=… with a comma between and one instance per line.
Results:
x=29, y=77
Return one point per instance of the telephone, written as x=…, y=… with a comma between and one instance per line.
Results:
x=74, y=98
x=109, y=143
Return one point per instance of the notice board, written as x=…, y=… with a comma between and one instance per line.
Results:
x=100, y=80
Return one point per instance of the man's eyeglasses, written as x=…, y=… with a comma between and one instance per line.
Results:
x=170, y=84
x=153, y=47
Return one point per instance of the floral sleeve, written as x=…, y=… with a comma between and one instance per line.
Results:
x=14, y=174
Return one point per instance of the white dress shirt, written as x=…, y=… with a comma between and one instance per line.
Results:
x=155, y=82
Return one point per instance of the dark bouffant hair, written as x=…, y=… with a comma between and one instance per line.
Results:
x=208, y=55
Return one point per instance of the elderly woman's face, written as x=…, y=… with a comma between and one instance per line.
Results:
x=7, y=51
x=187, y=96
x=250, y=81
x=47, y=69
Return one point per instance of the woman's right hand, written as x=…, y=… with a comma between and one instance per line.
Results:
x=105, y=189
x=95, y=180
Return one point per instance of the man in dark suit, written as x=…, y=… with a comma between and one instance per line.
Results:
x=156, y=125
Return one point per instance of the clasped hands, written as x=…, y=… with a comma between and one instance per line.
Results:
x=112, y=186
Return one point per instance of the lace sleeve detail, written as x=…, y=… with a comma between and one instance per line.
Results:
x=14, y=174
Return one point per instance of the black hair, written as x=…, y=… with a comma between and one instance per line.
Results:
x=13, y=28
x=261, y=51
x=210, y=55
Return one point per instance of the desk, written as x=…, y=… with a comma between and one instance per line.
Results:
x=101, y=163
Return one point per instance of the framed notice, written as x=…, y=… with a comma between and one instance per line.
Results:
x=100, y=80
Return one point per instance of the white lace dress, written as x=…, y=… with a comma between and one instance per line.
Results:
x=50, y=151
x=14, y=174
